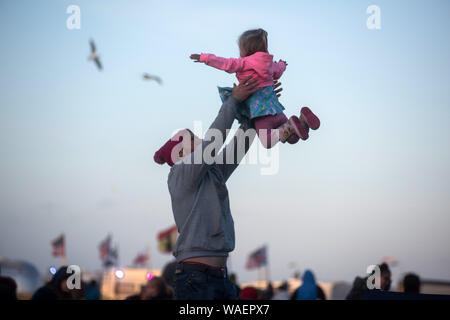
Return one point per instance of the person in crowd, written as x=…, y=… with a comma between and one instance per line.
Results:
x=309, y=290
x=249, y=293
x=386, y=277
x=79, y=294
x=411, y=283
x=155, y=289
x=8, y=289
x=168, y=273
x=138, y=296
x=359, y=287
x=92, y=291
x=320, y=293
x=56, y=289
x=283, y=292
x=233, y=279
x=268, y=293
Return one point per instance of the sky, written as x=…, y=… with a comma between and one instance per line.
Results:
x=77, y=145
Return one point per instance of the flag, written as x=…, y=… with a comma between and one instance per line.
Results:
x=141, y=259
x=104, y=248
x=167, y=239
x=108, y=255
x=59, y=246
x=112, y=258
x=257, y=258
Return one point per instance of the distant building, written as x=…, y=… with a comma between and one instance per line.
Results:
x=119, y=283
x=24, y=273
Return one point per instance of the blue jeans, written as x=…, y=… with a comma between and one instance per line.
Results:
x=199, y=282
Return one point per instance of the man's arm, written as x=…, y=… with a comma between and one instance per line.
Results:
x=231, y=156
x=194, y=165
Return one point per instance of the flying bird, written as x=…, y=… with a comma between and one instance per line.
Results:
x=147, y=76
x=94, y=56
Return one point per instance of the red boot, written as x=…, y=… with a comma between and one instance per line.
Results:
x=291, y=127
x=310, y=118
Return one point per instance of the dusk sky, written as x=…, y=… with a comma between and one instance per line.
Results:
x=77, y=144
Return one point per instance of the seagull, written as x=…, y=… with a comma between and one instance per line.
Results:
x=147, y=76
x=94, y=56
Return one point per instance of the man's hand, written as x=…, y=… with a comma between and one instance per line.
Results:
x=195, y=57
x=276, y=84
x=245, y=88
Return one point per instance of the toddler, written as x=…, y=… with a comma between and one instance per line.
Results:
x=263, y=107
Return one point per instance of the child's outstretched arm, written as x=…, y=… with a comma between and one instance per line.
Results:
x=230, y=65
x=279, y=68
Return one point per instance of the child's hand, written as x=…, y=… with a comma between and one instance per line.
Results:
x=284, y=62
x=195, y=57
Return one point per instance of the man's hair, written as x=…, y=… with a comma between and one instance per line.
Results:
x=252, y=41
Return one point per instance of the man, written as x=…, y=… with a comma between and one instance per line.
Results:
x=8, y=289
x=359, y=288
x=283, y=292
x=411, y=283
x=200, y=201
x=56, y=289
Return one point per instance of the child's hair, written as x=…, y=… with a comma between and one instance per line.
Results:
x=252, y=41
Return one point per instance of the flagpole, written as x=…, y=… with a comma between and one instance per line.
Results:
x=267, y=264
x=148, y=262
x=117, y=256
x=259, y=274
x=63, y=257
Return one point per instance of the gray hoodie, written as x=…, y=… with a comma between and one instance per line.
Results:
x=200, y=203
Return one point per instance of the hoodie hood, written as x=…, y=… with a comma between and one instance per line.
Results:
x=308, y=277
x=308, y=289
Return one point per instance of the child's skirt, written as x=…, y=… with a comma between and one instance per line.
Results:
x=263, y=102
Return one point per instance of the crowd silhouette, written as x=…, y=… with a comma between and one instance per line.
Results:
x=161, y=288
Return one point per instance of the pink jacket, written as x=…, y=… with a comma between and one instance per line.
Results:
x=259, y=64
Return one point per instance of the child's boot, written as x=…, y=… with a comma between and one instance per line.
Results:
x=293, y=126
x=309, y=118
